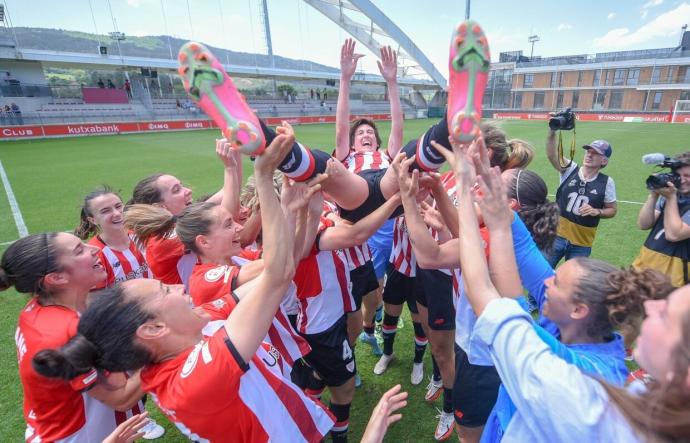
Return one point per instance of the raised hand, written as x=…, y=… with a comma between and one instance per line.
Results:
x=230, y=157
x=492, y=200
x=432, y=217
x=275, y=153
x=348, y=59
x=408, y=182
x=384, y=414
x=129, y=430
x=295, y=196
x=388, y=65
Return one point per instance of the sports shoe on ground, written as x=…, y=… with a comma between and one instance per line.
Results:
x=152, y=430
x=371, y=341
x=417, y=373
x=468, y=65
x=358, y=380
x=212, y=89
x=433, y=390
x=444, y=429
x=383, y=363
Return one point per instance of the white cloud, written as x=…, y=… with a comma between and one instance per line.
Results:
x=611, y=16
x=134, y=3
x=652, y=3
x=564, y=27
x=665, y=25
x=644, y=14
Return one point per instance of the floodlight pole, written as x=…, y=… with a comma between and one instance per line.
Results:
x=532, y=39
x=118, y=36
x=467, y=9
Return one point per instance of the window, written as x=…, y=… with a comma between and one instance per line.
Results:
x=633, y=76
x=539, y=100
x=529, y=81
x=644, y=102
x=686, y=74
x=616, y=101
x=554, y=79
x=579, y=78
x=517, y=100
x=599, y=100
x=576, y=99
x=559, y=100
x=608, y=77
x=619, y=77
x=560, y=79
x=669, y=75
x=684, y=95
x=656, y=74
x=597, y=78
x=657, y=100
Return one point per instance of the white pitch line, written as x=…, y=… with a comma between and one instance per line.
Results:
x=16, y=213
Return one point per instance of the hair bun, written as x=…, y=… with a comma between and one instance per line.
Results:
x=5, y=281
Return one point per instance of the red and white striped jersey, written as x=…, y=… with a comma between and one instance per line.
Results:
x=168, y=261
x=121, y=265
x=57, y=410
x=448, y=180
x=212, y=395
x=356, y=255
x=363, y=161
x=323, y=288
x=402, y=256
x=209, y=285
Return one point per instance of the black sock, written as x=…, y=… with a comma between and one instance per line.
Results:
x=427, y=157
x=390, y=327
x=437, y=371
x=301, y=163
x=342, y=421
x=447, y=400
x=420, y=342
x=370, y=329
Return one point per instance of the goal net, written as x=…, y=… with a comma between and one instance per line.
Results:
x=681, y=112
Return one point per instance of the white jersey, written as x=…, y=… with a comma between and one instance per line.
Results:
x=366, y=160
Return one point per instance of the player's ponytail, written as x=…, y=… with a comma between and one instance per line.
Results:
x=147, y=221
x=86, y=228
x=105, y=340
x=632, y=288
x=26, y=262
x=75, y=358
x=615, y=297
x=520, y=154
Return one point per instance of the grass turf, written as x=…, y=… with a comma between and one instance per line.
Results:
x=50, y=177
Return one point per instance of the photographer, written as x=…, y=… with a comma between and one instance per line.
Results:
x=584, y=195
x=667, y=213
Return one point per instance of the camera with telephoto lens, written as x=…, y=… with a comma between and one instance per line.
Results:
x=660, y=180
x=563, y=121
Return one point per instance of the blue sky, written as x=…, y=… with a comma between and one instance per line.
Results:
x=299, y=31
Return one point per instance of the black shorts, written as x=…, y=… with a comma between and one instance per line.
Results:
x=374, y=200
x=398, y=289
x=474, y=392
x=435, y=292
x=363, y=282
x=331, y=356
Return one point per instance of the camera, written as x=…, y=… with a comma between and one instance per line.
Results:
x=660, y=180
x=563, y=121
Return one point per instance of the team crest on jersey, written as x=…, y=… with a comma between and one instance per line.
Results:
x=190, y=364
x=572, y=182
x=213, y=275
x=218, y=303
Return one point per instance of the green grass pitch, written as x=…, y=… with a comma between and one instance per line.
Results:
x=50, y=177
